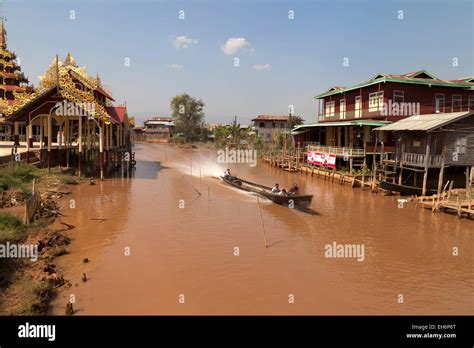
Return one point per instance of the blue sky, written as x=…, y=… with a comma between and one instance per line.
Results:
x=282, y=61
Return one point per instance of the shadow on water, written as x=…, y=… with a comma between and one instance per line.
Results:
x=143, y=170
x=308, y=211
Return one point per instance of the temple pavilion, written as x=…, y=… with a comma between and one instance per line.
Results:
x=71, y=119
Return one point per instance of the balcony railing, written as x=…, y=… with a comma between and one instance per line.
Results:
x=408, y=109
x=418, y=160
x=339, y=151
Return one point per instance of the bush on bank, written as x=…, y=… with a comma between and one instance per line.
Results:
x=12, y=228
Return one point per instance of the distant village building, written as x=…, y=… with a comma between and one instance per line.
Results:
x=159, y=128
x=266, y=125
x=347, y=116
x=210, y=129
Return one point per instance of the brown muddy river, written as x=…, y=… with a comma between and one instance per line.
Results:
x=148, y=255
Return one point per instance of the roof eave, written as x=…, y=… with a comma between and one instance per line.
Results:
x=398, y=80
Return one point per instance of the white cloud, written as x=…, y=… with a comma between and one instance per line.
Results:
x=233, y=44
x=176, y=66
x=184, y=41
x=262, y=66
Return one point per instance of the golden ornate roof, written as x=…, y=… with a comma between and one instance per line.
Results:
x=21, y=93
x=74, y=82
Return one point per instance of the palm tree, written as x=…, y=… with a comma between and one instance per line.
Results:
x=294, y=121
x=234, y=130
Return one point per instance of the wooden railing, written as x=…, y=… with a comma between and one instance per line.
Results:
x=418, y=159
x=337, y=150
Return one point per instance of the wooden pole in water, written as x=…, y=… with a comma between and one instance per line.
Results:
x=400, y=176
x=374, y=159
x=469, y=191
x=440, y=181
x=101, y=150
x=427, y=157
x=261, y=221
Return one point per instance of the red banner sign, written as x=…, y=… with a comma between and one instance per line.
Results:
x=322, y=159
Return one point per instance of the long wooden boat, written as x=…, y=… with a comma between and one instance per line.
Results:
x=299, y=201
x=405, y=189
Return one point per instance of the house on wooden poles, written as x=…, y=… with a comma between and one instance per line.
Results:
x=70, y=120
x=432, y=152
x=347, y=116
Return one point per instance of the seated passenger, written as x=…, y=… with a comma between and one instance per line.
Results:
x=276, y=189
x=283, y=193
x=227, y=173
x=294, y=189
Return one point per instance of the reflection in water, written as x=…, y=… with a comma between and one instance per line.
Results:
x=183, y=242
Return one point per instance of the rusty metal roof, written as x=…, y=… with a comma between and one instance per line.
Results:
x=426, y=123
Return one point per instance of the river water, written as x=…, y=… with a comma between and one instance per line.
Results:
x=157, y=246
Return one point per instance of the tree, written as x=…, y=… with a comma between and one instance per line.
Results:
x=188, y=116
x=294, y=121
x=234, y=130
x=221, y=134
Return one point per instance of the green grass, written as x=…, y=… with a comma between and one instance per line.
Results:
x=37, y=298
x=68, y=180
x=12, y=228
x=19, y=177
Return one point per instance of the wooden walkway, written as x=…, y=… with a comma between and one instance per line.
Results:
x=296, y=163
x=458, y=202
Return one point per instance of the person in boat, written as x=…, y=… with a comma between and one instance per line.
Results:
x=283, y=193
x=294, y=190
x=276, y=189
x=229, y=176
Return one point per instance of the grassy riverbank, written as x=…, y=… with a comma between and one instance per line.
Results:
x=16, y=182
x=27, y=286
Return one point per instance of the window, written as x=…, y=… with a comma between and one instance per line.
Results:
x=460, y=145
x=342, y=109
x=329, y=109
x=398, y=96
x=439, y=103
x=358, y=106
x=457, y=102
x=261, y=124
x=375, y=101
x=471, y=103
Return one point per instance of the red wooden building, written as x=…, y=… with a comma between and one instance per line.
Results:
x=348, y=115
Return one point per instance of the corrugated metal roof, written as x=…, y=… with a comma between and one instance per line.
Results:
x=426, y=123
